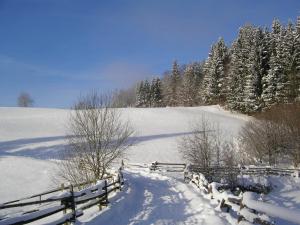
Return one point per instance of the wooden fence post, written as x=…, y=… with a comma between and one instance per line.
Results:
x=62, y=189
x=240, y=218
x=154, y=166
x=119, y=181
x=106, y=192
x=72, y=204
x=122, y=178
x=185, y=176
x=122, y=165
x=115, y=190
x=241, y=204
x=210, y=192
x=223, y=204
x=100, y=206
x=268, y=171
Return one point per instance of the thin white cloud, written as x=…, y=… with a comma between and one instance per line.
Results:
x=118, y=74
x=16, y=67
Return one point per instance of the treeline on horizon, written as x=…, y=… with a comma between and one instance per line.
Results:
x=260, y=69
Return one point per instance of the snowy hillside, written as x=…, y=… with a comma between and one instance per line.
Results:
x=31, y=137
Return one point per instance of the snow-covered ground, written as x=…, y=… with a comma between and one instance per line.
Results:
x=151, y=198
x=32, y=138
x=285, y=194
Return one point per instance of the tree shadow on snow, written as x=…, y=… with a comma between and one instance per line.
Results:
x=21, y=147
x=139, y=139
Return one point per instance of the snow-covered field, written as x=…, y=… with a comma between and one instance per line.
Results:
x=32, y=138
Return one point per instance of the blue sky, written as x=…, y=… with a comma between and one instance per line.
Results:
x=57, y=49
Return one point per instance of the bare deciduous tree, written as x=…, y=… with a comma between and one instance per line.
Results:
x=25, y=100
x=200, y=147
x=274, y=134
x=207, y=148
x=261, y=141
x=288, y=118
x=97, y=137
x=230, y=161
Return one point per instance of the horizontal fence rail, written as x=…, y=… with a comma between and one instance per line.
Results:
x=245, y=207
x=245, y=170
x=229, y=202
x=62, y=188
x=71, y=203
x=169, y=167
x=221, y=171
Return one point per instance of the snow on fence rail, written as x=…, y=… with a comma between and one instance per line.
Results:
x=169, y=167
x=245, y=170
x=229, y=202
x=274, y=211
x=223, y=171
x=247, y=209
x=69, y=200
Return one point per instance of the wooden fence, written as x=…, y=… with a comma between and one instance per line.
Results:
x=246, y=211
x=70, y=203
x=221, y=170
x=168, y=167
x=214, y=170
x=229, y=202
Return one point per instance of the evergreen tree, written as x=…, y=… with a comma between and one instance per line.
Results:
x=198, y=68
x=260, y=69
x=265, y=54
x=295, y=65
x=140, y=95
x=253, y=77
x=143, y=94
x=270, y=81
x=239, y=70
x=175, y=80
x=214, y=90
x=288, y=90
x=147, y=94
x=284, y=51
x=188, y=92
x=156, y=92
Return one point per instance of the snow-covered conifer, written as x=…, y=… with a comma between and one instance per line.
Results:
x=215, y=73
x=147, y=94
x=140, y=94
x=188, y=92
x=175, y=80
x=156, y=92
x=271, y=79
x=253, y=77
x=239, y=70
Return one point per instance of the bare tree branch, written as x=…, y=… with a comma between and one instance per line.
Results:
x=97, y=137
